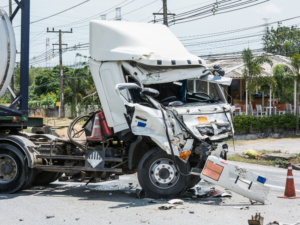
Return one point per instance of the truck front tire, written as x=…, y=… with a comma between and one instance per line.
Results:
x=13, y=169
x=159, y=177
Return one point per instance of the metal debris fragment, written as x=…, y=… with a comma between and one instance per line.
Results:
x=140, y=193
x=242, y=208
x=256, y=220
x=49, y=217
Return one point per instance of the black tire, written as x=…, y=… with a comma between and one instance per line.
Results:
x=31, y=176
x=158, y=160
x=194, y=181
x=45, y=178
x=58, y=175
x=13, y=165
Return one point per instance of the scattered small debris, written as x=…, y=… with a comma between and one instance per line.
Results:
x=191, y=212
x=144, y=221
x=217, y=193
x=242, y=208
x=20, y=219
x=152, y=202
x=256, y=220
x=77, y=219
x=164, y=207
x=49, y=217
x=140, y=193
x=176, y=201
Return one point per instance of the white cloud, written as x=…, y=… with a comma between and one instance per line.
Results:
x=269, y=9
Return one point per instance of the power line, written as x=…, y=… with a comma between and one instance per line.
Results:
x=238, y=30
x=56, y=13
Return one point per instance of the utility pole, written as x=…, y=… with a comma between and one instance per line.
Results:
x=165, y=13
x=118, y=14
x=12, y=83
x=61, y=86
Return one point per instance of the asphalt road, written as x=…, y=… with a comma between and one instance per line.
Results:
x=71, y=203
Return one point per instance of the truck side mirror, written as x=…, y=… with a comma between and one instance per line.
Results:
x=150, y=92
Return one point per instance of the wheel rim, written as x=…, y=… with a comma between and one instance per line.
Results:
x=8, y=169
x=163, y=173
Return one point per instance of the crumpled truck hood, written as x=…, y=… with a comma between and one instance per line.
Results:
x=215, y=126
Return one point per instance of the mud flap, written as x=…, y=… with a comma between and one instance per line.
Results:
x=229, y=176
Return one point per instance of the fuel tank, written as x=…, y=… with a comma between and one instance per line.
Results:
x=7, y=51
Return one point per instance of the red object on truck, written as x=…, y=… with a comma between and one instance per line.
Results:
x=106, y=129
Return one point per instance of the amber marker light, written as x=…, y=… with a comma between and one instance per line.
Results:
x=184, y=155
x=15, y=119
x=202, y=119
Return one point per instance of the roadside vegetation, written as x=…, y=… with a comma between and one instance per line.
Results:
x=277, y=162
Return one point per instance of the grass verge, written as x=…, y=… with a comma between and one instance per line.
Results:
x=260, y=161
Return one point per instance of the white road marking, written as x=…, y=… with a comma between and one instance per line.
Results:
x=269, y=185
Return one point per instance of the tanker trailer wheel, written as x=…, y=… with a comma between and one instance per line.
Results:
x=159, y=177
x=14, y=172
x=45, y=178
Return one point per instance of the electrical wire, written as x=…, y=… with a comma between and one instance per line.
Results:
x=56, y=13
x=238, y=30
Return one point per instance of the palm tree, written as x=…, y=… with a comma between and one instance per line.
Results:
x=294, y=69
x=76, y=89
x=252, y=70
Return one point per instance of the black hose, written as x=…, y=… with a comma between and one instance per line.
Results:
x=231, y=128
x=70, y=131
x=168, y=137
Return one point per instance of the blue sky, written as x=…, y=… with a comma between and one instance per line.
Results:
x=274, y=10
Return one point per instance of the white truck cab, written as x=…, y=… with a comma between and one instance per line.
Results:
x=153, y=90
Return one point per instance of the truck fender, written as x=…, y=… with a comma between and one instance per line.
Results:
x=25, y=145
x=136, y=151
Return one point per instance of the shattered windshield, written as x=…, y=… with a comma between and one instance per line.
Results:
x=199, y=90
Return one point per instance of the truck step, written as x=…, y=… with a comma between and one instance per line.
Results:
x=72, y=169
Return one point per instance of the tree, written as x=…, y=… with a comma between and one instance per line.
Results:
x=286, y=41
x=252, y=70
x=282, y=40
x=77, y=88
x=284, y=80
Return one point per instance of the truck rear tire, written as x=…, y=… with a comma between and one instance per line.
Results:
x=13, y=169
x=159, y=177
x=45, y=178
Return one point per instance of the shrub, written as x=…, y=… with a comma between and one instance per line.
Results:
x=244, y=123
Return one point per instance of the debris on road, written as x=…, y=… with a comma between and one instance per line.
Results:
x=256, y=220
x=242, y=208
x=171, y=206
x=176, y=201
x=217, y=193
x=144, y=221
x=152, y=202
x=165, y=207
x=77, y=219
x=278, y=223
x=20, y=219
x=191, y=212
x=140, y=193
x=49, y=217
